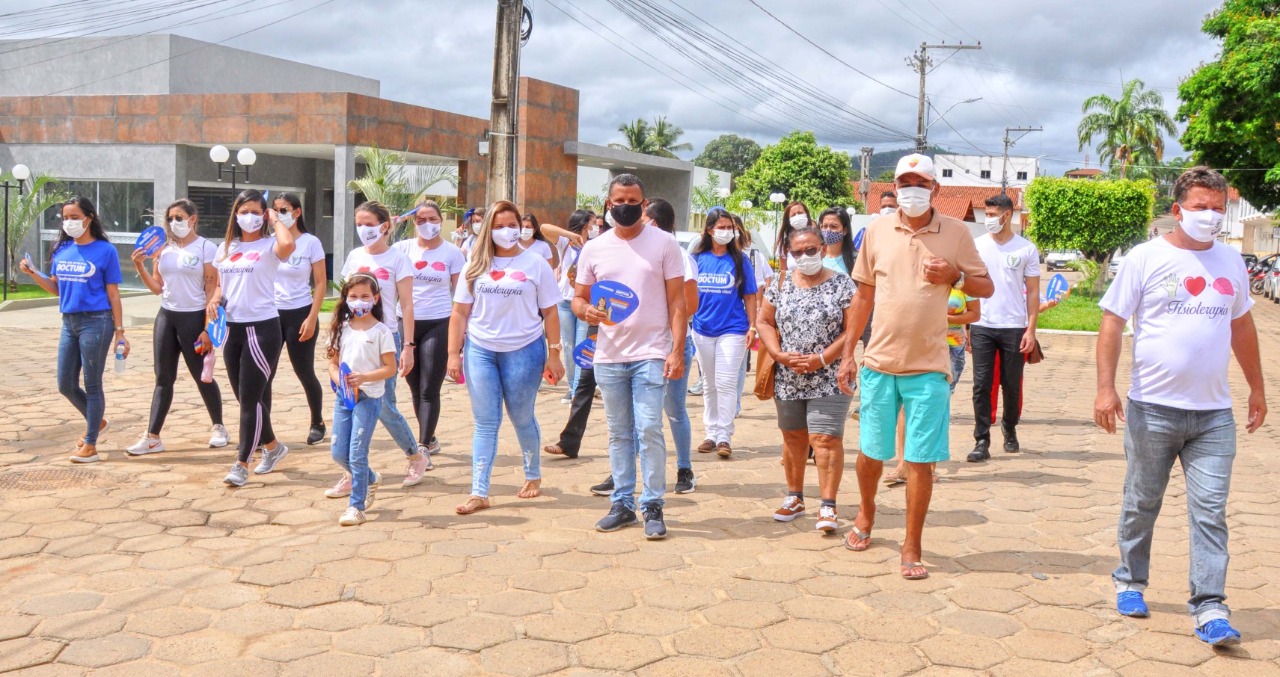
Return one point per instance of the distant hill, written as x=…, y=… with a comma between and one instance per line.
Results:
x=887, y=160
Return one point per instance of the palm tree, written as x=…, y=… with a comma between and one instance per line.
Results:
x=637, y=136
x=665, y=138
x=1132, y=127
x=389, y=180
x=25, y=209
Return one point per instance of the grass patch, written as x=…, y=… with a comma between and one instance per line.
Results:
x=328, y=305
x=28, y=291
x=1079, y=312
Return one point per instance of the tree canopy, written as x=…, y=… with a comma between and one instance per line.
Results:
x=1132, y=127
x=802, y=170
x=659, y=138
x=1095, y=217
x=1232, y=105
x=729, y=153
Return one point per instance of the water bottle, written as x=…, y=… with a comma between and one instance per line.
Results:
x=210, y=359
x=120, y=357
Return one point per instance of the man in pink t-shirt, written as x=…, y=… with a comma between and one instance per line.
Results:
x=635, y=357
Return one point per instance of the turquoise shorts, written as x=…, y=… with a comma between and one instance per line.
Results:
x=925, y=400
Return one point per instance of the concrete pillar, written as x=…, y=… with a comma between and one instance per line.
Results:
x=171, y=181
x=344, y=208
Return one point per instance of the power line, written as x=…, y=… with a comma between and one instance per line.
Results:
x=824, y=51
x=953, y=23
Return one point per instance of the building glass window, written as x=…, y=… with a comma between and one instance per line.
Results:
x=985, y=174
x=1022, y=176
x=946, y=173
x=125, y=208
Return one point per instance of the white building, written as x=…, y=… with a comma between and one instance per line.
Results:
x=985, y=170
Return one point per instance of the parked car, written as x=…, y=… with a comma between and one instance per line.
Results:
x=1060, y=259
x=1114, y=266
x=687, y=239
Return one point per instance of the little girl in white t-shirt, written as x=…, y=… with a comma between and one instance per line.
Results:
x=360, y=341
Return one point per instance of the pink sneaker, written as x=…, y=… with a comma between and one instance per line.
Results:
x=340, y=490
x=413, y=475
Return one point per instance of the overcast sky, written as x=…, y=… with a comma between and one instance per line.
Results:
x=1039, y=60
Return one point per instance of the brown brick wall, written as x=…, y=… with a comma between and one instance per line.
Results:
x=546, y=178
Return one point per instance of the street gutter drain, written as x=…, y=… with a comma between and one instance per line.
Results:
x=42, y=479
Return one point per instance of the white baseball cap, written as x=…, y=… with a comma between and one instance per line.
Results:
x=915, y=163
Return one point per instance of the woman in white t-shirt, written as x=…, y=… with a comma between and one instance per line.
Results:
x=505, y=306
x=532, y=239
x=436, y=266
x=184, y=277
x=474, y=219
x=301, y=283
x=391, y=268
x=247, y=261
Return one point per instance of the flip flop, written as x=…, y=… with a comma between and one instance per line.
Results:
x=553, y=449
x=466, y=509
x=907, y=567
x=893, y=478
x=862, y=540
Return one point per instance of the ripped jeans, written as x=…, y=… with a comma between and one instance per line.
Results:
x=352, y=431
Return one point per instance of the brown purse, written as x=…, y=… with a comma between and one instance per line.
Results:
x=764, y=375
x=1036, y=356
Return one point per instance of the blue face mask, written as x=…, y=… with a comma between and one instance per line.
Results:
x=831, y=236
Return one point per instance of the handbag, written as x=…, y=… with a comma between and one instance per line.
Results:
x=764, y=375
x=1036, y=356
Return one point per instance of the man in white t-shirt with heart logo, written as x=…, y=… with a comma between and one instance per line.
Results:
x=1188, y=297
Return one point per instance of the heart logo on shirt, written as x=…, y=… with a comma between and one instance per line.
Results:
x=252, y=256
x=362, y=269
x=1223, y=286
x=382, y=274
x=420, y=265
x=518, y=276
x=438, y=265
x=1195, y=285
x=497, y=275
x=236, y=257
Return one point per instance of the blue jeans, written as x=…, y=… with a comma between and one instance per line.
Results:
x=84, y=345
x=957, y=365
x=678, y=413
x=492, y=379
x=352, y=432
x=572, y=332
x=390, y=416
x=633, y=402
x=1204, y=442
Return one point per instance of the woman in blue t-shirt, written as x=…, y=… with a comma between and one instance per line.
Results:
x=723, y=327
x=85, y=276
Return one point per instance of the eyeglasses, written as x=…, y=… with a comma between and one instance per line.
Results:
x=811, y=251
x=285, y=210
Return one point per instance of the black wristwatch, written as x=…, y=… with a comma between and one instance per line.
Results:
x=411, y=344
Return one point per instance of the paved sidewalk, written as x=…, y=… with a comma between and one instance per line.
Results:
x=150, y=566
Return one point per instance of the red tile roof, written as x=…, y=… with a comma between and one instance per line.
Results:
x=1088, y=172
x=958, y=202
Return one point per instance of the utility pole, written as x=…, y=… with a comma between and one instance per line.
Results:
x=921, y=62
x=864, y=186
x=1008, y=141
x=502, y=116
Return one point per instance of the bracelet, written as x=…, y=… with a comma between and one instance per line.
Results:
x=411, y=344
x=823, y=358
x=119, y=329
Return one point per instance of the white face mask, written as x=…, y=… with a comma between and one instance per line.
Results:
x=475, y=227
x=608, y=218
x=180, y=229
x=73, y=227
x=369, y=234
x=914, y=201
x=526, y=234
x=723, y=236
x=1203, y=225
x=886, y=210
x=799, y=220
x=992, y=224
x=593, y=232
x=360, y=307
x=286, y=219
x=249, y=223
x=428, y=230
x=505, y=238
x=809, y=265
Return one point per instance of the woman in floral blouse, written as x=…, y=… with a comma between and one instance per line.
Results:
x=800, y=325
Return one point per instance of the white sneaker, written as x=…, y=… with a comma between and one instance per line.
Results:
x=827, y=521
x=220, y=437
x=340, y=490
x=373, y=491
x=567, y=399
x=145, y=445
x=351, y=518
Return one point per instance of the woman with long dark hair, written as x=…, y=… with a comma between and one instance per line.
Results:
x=301, y=283
x=85, y=276
x=505, y=306
x=247, y=261
x=436, y=266
x=794, y=217
x=184, y=277
x=837, y=240
x=724, y=325
x=533, y=239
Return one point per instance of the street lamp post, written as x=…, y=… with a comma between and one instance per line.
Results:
x=246, y=157
x=724, y=195
x=777, y=199
x=20, y=173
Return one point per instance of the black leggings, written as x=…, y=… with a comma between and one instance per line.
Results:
x=251, y=353
x=175, y=334
x=429, y=366
x=302, y=355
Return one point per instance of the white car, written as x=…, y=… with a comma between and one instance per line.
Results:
x=1060, y=259
x=1114, y=266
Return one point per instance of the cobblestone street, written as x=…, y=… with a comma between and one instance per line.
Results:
x=151, y=566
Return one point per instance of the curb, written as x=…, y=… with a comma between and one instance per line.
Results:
x=50, y=301
x=1073, y=332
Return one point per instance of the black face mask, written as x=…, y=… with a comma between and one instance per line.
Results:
x=626, y=215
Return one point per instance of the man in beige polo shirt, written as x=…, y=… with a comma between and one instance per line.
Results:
x=910, y=261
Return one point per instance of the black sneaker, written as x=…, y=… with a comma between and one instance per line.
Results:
x=981, y=452
x=619, y=516
x=316, y=434
x=685, y=481
x=654, y=528
x=604, y=488
x=1011, y=442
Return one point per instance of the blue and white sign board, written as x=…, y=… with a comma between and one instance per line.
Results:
x=150, y=240
x=584, y=353
x=615, y=299
x=347, y=395
x=1057, y=288
x=32, y=265
x=217, y=328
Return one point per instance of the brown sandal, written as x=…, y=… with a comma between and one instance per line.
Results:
x=553, y=449
x=473, y=504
